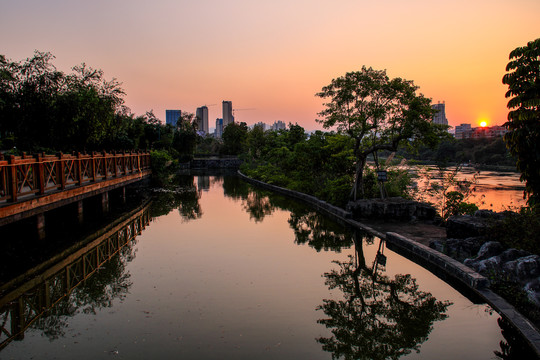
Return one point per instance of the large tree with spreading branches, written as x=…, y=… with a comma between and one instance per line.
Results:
x=379, y=113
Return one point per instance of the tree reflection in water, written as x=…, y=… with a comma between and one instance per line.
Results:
x=180, y=194
x=378, y=317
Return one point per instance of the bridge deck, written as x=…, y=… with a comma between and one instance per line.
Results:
x=32, y=184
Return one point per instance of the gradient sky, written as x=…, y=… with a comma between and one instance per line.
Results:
x=273, y=56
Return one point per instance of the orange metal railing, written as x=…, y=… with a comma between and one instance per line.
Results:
x=32, y=175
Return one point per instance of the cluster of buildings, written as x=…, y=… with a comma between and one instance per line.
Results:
x=172, y=117
x=466, y=131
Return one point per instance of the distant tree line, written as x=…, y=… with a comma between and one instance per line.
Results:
x=484, y=151
x=45, y=109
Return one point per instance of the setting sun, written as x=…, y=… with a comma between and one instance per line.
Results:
x=483, y=123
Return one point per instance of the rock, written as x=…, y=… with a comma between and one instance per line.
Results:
x=532, y=288
x=439, y=245
x=465, y=226
x=487, y=214
x=528, y=267
x=395, y=208
x=490, y=266
x=513, y=254
x=489, y=249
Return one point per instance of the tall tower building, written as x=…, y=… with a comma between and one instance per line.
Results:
x=228, y=117
x=202, y=118
x=172, y=116
x=219, y=128
x=440, y=116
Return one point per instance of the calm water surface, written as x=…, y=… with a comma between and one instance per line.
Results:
x=495, y=190
x=225, y=271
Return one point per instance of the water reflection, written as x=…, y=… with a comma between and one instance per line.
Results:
x=377, y=317
x=223, y=294
x=84, y=281
x=183, y=196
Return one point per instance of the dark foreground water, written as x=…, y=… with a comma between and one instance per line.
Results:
x=221, y=271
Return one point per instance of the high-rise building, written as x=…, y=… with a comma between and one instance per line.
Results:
x=218, y=133
x=228, y=117
x=202, y=119
x=261, y=125
x=440, y=116
x=172, y=116
x=278, y=125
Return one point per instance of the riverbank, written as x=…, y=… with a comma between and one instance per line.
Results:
x=411, y=240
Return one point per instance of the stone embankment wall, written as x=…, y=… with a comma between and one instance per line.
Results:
x=395, y=208
x=430, y=257
x=217, y=163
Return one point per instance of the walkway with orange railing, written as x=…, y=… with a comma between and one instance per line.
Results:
x=32, y=184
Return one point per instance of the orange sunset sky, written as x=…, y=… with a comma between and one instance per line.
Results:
x=273, y=56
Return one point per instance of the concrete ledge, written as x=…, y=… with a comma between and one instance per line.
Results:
x=442, y=261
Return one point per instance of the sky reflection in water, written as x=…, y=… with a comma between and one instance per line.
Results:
x=223, y=271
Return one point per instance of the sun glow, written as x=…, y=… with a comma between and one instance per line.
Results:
x=483, y=123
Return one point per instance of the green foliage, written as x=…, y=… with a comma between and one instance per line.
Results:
x=163, y=166
x=527, y=221
x=483, y=151
x=235, y=138
x=523, y=137
x=445, y=191
x=378, y=113
x=185, y=137
x=321, y=165
x=455, y=205
x=44, y=108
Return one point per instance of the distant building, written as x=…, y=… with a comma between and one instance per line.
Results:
x=440, y=116
x=488, y=132
x=202, y=119
x=465, y=131
x=172, y=116
x=262, y=125
x=228, y=117
x=218, y=133
x=278, y=125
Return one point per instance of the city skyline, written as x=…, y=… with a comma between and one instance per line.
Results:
x=274, y=57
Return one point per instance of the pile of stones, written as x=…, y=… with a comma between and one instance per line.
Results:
x=466, y=242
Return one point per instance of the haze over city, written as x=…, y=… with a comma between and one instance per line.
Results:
x=274, y=56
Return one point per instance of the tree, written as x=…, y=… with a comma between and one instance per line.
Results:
x=523, y=137
x=235, y=138
x=378, y=113
x=185, y=136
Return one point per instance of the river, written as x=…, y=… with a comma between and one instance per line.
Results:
x=217, y=269
x=494, y=190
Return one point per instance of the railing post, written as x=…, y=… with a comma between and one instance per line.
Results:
x=104, y=165
x=61, y=171
x=40, y=173
x=114, y=165
x=93, y=166
x=12, y=178
x=79, y=169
